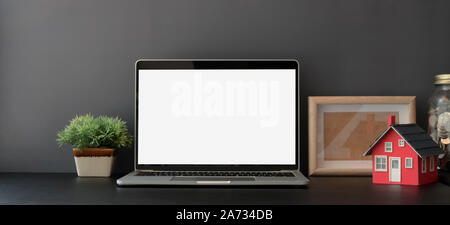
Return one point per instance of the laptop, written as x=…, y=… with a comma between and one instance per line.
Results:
x=216, y=122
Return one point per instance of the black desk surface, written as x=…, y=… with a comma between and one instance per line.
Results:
x=37, y=188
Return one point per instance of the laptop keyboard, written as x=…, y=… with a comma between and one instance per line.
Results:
x=216, y=173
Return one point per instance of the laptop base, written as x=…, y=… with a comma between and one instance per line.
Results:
x=132, y=180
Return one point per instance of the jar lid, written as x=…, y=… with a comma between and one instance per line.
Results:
x=442, y=79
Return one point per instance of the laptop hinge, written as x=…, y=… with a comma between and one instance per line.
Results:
x=144, y=170
x=227, y=171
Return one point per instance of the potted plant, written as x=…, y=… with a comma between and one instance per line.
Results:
x=94, y=141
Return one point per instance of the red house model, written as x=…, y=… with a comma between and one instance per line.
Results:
x=404, y=154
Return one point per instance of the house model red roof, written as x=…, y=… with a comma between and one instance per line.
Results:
x=415, y=136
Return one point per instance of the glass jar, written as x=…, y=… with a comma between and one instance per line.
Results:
x=439, y=118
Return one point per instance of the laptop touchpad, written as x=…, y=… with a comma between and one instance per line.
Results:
x=213, y=179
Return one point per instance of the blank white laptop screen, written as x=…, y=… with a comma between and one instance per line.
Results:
x=217, y=117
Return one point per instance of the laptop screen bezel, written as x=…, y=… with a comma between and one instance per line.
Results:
x=145, y=64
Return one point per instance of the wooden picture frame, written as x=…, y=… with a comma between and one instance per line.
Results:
x=369, y=106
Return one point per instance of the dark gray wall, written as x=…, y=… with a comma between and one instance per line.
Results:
x=59, y=58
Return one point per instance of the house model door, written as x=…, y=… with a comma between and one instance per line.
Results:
x=394, y=169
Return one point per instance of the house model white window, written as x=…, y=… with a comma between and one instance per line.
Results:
x=401, y=143
x=424, y=164
x=431, y=164
x=380, y=163
x=408, y=163
x=388, y=146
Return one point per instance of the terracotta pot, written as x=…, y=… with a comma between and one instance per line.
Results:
x=94, y=162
